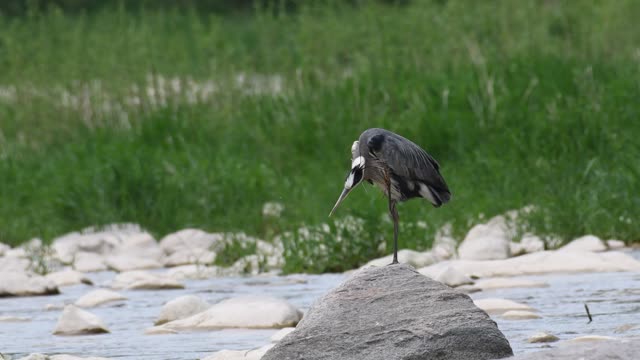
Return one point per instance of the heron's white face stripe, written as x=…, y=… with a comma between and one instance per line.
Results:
x=348, y=184
x=357, y=162
x=354, y=146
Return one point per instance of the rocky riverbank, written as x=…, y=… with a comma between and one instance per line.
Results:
x=121, y=286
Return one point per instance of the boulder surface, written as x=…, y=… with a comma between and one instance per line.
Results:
x=393, y=312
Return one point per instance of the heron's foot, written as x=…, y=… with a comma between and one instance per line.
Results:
x=395, y=261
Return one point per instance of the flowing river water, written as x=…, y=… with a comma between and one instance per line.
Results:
x=613, y=299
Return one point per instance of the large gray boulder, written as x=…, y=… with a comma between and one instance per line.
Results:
x=393, y=312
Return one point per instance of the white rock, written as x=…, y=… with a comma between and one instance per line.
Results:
x=21, y=284
x=281, y=333
x=144, y=280
x=193, y=272
x=520, y=315
x=122, y=263
x=500, y=306
x=189, y=239
x=72, y=357
x=585, y=243
x=256, y=312
x=247, y=265
x=615, y=244
x=589, y=338
x=489, y=241
x=444, y=244
x=405, y=256
x=542, y=337
x=159, y=330
x=89, y=262
x=256, y=354
x=190, y=256
x=502, y=283
x=624, y=328
x=4, y=248
x=14, y=319
x=181, y=308
x=447, y=275
x=75, y=321
x=543, y=262
x=99, y=297
x=12, y=263
x=19, y=252
x=35, y=356
x=68, y=277
x=53, y=307
x=103, y=242
x=528, y=244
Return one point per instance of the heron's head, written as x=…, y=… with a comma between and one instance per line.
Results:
x=353, y=179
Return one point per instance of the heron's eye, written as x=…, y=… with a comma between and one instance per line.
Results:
x=354, y=177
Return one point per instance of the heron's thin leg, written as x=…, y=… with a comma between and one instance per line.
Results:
x=394, y=216
x=393, y=211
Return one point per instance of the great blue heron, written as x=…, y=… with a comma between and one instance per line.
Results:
x=400, y=168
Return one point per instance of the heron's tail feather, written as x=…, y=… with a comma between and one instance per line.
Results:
x=436, y=195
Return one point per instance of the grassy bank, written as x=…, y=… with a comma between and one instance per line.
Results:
x=177, y=119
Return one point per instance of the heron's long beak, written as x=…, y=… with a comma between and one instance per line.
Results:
x=343, y=196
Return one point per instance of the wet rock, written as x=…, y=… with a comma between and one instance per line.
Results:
x=14, y=319
x=193, y=272
x=585, y=243
x=613, y=350
x=68, y=277
x=254, y=354
x=520, y=315
x=590, y=338
x=489, y=241
x=75, y=321
x=72, y=357
x=159, y=330
x=281, y=334
x=615, y=244
x=181, y=308
x=53, y=307
x=99, y=297
x=144, y=280
x=190, y=256
x=189, y=239
x=15, y=264
x=122, y=263
x=22, y=284
x=255, y=312
x=542, y=337
x=544, y=262
x=409, y=257
x=89, y=262
x=624, y=328
x=502, y=283
x=447, y=275
x=390, y=313
x=500, y=306
x=35, y=356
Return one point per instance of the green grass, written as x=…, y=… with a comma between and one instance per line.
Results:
x=522, y=102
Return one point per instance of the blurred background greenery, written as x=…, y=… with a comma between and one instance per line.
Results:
x=196, y=113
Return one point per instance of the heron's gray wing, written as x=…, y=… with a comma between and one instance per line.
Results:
x=409, y=161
